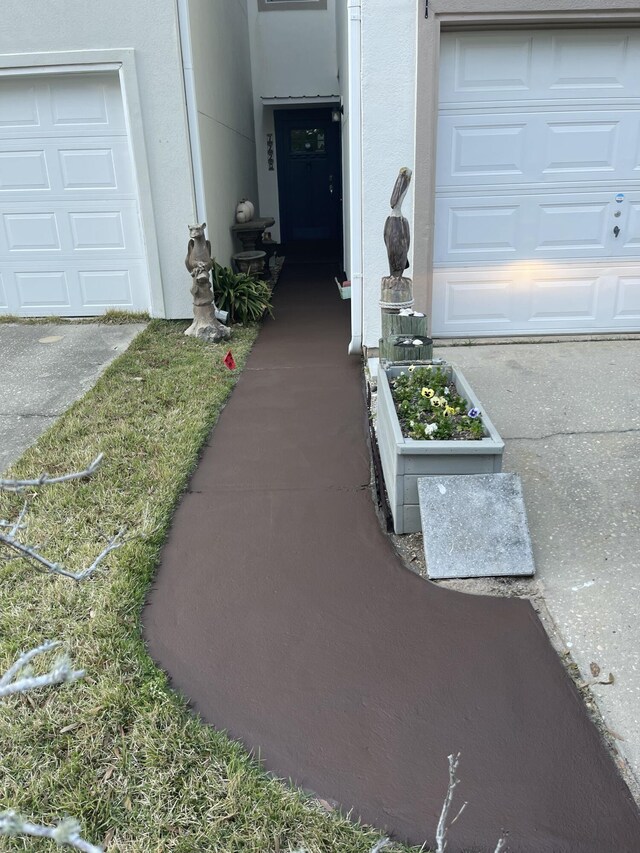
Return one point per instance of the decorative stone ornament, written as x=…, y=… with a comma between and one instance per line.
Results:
x=199, y=263
x=245, y=211
x=404, y=332
x=396, y=289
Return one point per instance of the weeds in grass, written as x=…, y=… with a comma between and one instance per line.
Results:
x=118, y=749
x=112, y=317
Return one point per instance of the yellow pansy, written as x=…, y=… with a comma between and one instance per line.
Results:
x=449, y=410
x=428, y=392
x=438, y=401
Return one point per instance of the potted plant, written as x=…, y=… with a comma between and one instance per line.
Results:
x=243, y=296
x=429, y=421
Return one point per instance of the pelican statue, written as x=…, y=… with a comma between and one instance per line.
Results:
x=396, y=228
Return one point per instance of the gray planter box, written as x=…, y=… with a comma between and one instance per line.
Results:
x=404, y=460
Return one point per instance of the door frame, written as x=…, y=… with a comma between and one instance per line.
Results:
x=306, y=112
x=122, y=62
x=435, y=16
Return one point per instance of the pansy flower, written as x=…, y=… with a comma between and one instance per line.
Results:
x=427, y=392
x=446, y=390
x=473, y=412
x=411, y=368
x=449, y=410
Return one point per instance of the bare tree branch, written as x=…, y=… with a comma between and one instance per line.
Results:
x=47, y=480
x=18, y=678
x=67, y=832
x=30, y=553
x=441, y=831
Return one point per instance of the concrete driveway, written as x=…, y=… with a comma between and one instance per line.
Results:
x=44, y=369
x=570, y=417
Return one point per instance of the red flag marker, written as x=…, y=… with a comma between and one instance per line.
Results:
x=229, y=361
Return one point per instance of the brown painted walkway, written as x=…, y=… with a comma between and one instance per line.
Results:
x=282, y=611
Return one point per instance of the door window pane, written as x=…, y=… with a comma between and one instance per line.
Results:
x=307, y=140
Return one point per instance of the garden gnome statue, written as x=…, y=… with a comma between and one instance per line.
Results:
x=199, y=263
x=397, y=290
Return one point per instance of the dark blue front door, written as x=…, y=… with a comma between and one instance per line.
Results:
x=309, y=175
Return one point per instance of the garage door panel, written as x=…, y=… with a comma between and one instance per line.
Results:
x=70, y=231
x=539, y=67
x=467, y=300
x=524, y=149
x=487, y=150
x=536, y=298
x=581, y=146
x=22, y=170
x=567, y=298
x=4, y=302
x=473, y=74
x=62, y=169
x=627, y=298
x=85, y=169
x=98, y=230
x=43, y=289
x=18, y=105
x=85, y=228
x=572, y=228
x=630, y=229
x=31, y=232
x=63, y=105
x=538, y=183
x=489, y=228
x=572, y=62
x=79, y=102
x=74, y=290
x=106, y=287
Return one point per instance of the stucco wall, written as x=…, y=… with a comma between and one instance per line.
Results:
x=388, y=129
x=224, y=98
x=293, y=54
x=31, y=26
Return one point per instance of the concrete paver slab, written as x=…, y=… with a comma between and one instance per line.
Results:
x=570, y=417
x=474, y=525
x=44, y=369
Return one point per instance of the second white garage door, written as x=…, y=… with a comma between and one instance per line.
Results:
x=538, y=183
x=70, y=234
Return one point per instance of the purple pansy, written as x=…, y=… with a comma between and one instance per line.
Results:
x=473, y=412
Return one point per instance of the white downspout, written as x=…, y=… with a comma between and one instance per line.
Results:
x=354, y=74
x=192, y=111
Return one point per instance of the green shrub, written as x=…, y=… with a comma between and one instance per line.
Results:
x=244, y=297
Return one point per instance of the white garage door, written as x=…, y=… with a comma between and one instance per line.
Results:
x=70, y=236
x=538, y=183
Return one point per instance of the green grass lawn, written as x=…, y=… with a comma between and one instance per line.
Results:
x=118, y=749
